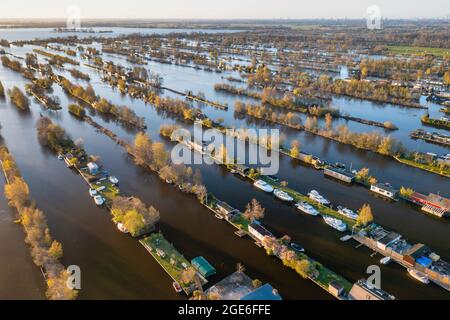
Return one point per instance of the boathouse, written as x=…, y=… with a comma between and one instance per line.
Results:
x=227, y=211
x=339, y=174
x=361, y=290
x=257, y=231
x=203, y=267
x=433, y=203
x=385, y=190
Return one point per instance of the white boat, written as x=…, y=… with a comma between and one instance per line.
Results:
x=122, y=228
x=113, y=180
x=177, y=287
x=335, y=223
x=92, y=192
x=283, y=195
x=99, y=200
x=307, y=208
x=264, y=186
x=315, y=196
x=385, y=260
x=60, y=157
x=419, y=276
x=347, y=213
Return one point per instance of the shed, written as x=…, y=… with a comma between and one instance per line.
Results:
x=335, y=288
x=203, y=266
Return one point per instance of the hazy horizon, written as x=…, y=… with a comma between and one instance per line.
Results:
x=231, y=9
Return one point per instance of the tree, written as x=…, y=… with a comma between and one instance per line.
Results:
x=256, y=283
x=240, y=268
x=406, y=192
x=19, y=99
x=385, y=146
x=365, y=215
x=143, y=149
x=55, y=250
x=160, y=155
x=295, y=148
x=303, y=268
x=2, y=90
x=58, y=289
x=254, y=211
x=17, y=193
x=188, y=276
x=329, y=121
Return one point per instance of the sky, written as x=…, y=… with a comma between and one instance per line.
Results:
x=228, y=9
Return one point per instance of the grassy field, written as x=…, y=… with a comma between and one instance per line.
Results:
x=169, y=258
x=419, y=50
x=427, y=167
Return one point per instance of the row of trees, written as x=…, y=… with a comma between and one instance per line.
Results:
x=262, y=112
x=18, y=98
x=153, y=155
x=45, y=251
x=56, y=58
x=52, y=136
x=79, y=75
x=2, y=90
x=122, y=113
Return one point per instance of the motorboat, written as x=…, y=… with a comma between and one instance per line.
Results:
x=122, y=228
x=282, y=195
x=419, y=276
x=92, y=192
x=315, y=196
x=347, y=213
x=99, y=200
x=113, y=180
x=335, y=223
x=296, y=247
x=264, y=186
x=177, y=287
x=385, y=260
x=307, y=208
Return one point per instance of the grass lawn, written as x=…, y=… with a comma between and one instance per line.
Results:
x=241, y=222
x=419, y=50
x=426, y=167
x=169, y=258
x=326, y=276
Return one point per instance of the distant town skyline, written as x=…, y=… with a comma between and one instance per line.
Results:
x=231, y=9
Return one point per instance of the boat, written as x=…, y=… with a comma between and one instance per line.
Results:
x=113, y=180
x=282, y=195
x=218, y=216
x=419, y=276
x=314, y=195
x=177, y=287
x=122, y=228
x=385, y=260
x=347, y=213
x=264, y=186
x=307, y=208
x=99, y=200
x=335, y=223
x=60, y=157
x=297, y=247
x=92, y=192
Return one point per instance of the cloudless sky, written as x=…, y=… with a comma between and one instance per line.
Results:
x=226, y=9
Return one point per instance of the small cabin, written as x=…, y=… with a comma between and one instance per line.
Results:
x=384, y=190
x=258, y=231
x=339, y=174
x=227, y=211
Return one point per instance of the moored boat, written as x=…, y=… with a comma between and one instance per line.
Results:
x=419, y=276
x=307, y=208
x=282, y=195
x=347, y=213
x=315, y=196
x=122, y=228
x=335, y=223
x=177, y=287
x=264, y=186
x=385, y=260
